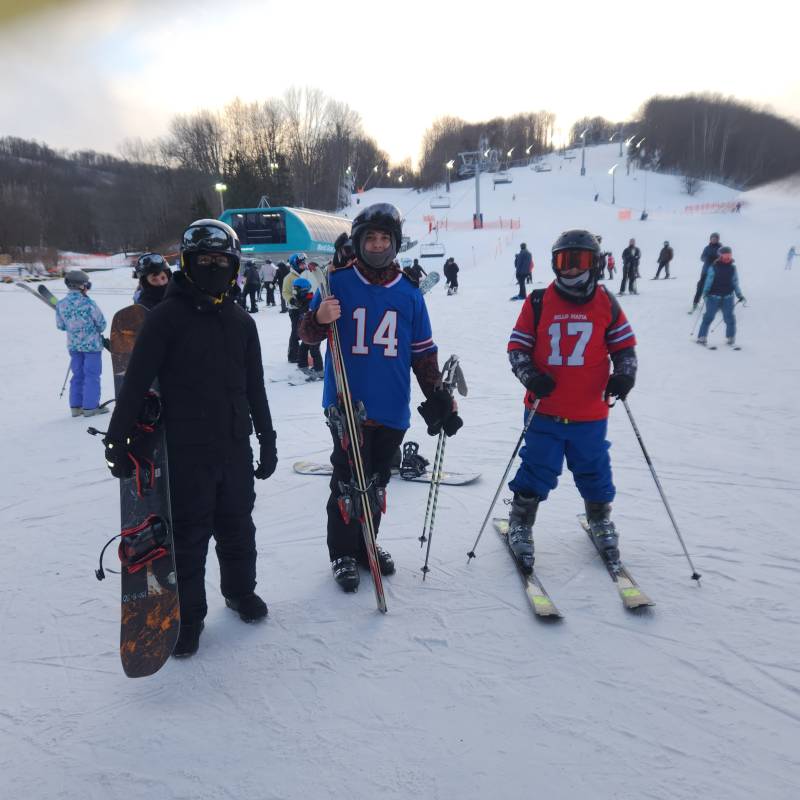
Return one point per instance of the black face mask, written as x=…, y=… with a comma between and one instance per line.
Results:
x=211, y=279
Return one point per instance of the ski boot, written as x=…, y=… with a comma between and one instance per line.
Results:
x=413, y=464
x=250, y=607
x=385, y=561
x=598, y=515
x=93, y=412
x=730, y=341
x=76, y=411
x=520, y=529
x=701, y=340
x=188, y=639
x=345, y=572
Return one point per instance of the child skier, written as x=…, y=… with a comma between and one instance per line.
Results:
x=451, y=275
x=79, y=316
x=722, y=282
x=302, y=296
x=559, y=350
x=385, y=333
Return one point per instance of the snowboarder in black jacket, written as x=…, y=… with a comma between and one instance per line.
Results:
x=630, y=267
x=205, y=352
x=153, y=273
x=451, y=275
x=664, y=259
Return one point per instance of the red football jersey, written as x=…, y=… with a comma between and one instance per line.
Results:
x=572, y=345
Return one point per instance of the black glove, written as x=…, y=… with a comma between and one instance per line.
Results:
x=541, y=385
x=267, y=456
x=439, y=414
x=118, y=457
x=619, y=386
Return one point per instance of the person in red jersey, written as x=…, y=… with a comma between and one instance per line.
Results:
x=563, y=344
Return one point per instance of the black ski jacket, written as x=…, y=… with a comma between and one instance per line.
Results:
x=631, y=255
x=207, y=358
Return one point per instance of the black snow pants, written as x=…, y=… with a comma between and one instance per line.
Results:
x=212, y=496
x=378, y=450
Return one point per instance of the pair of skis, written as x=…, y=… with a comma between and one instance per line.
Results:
x=542, y=604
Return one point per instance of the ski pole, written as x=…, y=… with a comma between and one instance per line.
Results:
x=695, y=574
x=528, y=421
x=452, y=378
x=64, y=387
x=698, y=317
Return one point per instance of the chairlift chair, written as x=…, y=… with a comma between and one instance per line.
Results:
x=502, y=177
x=440, y=201
x=431, y=250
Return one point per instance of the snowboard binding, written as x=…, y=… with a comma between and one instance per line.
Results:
x=413, y=464
x=139, y=546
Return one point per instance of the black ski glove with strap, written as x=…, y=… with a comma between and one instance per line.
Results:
x=118, y=458
x=439, y=413
x=267, y=456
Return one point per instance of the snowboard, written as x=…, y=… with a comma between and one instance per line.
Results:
x=448, y=478
x=428, y=282
x=150, y=619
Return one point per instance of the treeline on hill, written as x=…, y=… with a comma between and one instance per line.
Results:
x=524, y=135
x=708, y=137
x=303, y=149
x=89, y=202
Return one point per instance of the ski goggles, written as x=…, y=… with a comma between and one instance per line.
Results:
x=206, y=237
x=213, y=260
x=565, y=260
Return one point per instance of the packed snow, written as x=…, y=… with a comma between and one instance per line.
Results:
x=459, y=691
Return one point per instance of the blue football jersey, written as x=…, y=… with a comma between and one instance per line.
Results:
x=381, y=329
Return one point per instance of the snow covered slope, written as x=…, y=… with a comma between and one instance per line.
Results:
x=458, y=692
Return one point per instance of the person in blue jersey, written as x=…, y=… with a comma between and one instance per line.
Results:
x=385, y=333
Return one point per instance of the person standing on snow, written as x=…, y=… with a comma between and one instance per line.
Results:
x=790, y=257
x=451, y=275
x=415, y=272
x=385, y=333
x=722, y=283
x=631, y=256
x=252, y=283
x=297, y=265
x=708, y=257
x=79, y=316
x=153, y=273
x=205, y=352
x=664, y=258
x=559, y=350
x=281, y=271
x=268, y=272
x=523, y=267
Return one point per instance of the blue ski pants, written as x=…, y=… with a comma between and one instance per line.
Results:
x=713, y=304
x=549, y=441
x=84, y=388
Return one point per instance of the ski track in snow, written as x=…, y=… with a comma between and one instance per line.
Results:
x=458, y=691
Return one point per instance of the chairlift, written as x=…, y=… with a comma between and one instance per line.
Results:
x=440, y=201
x=542, y=168
x=502, y=177
x=431, y=250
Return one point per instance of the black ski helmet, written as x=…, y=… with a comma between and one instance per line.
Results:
x=210, y=237
x=77, y=279
x=383, y=217
x=582, y=286
x=150, y=264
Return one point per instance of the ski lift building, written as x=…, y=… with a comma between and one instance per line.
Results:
x=279, y=231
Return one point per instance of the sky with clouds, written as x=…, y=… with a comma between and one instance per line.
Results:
x=93, y=73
